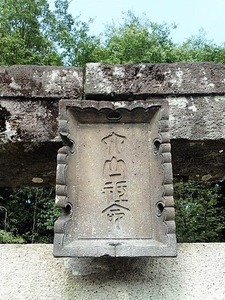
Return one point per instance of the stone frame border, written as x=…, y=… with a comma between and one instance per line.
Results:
x=164, y=151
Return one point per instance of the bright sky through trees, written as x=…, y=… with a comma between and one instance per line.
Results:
x=189, y=15
x=31, y=33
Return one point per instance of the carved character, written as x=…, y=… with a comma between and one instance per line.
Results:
x=113, y=141
x=114, y=168
x=115, y=213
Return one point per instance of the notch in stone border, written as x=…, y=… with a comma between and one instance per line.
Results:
x=114, y=180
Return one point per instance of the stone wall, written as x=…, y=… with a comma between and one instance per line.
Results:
x=29, y=272
x=29, y=141
x=29, y=98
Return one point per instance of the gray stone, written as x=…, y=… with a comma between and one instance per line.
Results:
x=197, y=118
x=21, y=163
x=140, y=81
x=198, y=160
x=30, y=272
x=28, y=121
x=29, y=114
x=114, y=180
x=41, y=82
x=192, y=118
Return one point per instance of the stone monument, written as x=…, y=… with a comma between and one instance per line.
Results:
x=114, y=180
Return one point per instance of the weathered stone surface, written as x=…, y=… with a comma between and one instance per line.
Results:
x=28, y=121
x=197, y=118
x=41, y=82
x=199, y=160
x=30, y=272
x=140, y=81
x=29, y=114
x=114, y=180
x=193, y=118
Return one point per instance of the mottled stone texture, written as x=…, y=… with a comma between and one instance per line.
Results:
x=29, y=98
x=30, y=272
x=29, y=138
x=28, y=120
x=114, y=180
x=40, y=82
x=138, y=81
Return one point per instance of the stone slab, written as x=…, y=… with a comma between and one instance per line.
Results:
x=41, y=82
x=28, y=120
x=197, y=118
x=191, y=117
x=30, y=272
x=143, y=80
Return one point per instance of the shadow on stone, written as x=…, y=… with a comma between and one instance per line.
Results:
x=106, y=265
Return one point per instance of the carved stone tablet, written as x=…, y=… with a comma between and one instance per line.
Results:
x=114, y=180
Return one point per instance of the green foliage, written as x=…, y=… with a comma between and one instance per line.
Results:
x=31, y=214
x=32, y=33
x=137, y=40
x=9, y=238
x=71, y=36
x=199, y=49
x=24, y=33
x=199, y=218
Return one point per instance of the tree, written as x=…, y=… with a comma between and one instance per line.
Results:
x=137, y=40
x=199, y=49
x=24, y=33
x=27, y=215
x=199, y=218
x=30, y=33
x=71, y=36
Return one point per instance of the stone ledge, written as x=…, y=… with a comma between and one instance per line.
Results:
x=194, y=118
x=41, y=82
x=30, y=272
x=143, y=80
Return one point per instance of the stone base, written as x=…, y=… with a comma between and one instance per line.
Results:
x=30, y=272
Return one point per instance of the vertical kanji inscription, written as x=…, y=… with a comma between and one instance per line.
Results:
x=115, y=179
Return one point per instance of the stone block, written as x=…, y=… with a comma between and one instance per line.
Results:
x=29, y=97
x=28, y=121
x=41, y=82
x=143, y=80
